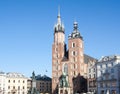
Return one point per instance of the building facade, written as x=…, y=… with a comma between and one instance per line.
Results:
x=16, y=83
x=44, y=84
x=68, y=63
x=108, y=75
x=2, y=83
x=91, y=75
x=29, y=85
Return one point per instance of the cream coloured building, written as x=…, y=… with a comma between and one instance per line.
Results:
x=2, y=82
x=16, y=83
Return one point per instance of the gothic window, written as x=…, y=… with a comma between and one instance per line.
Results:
x=74, y=66
x=73, y=59
x=74, y=73
x=66, y=69
x=73, y=53
x=56, y=67
x=73, y=44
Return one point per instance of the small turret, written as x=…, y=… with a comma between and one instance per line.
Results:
x=75, y=33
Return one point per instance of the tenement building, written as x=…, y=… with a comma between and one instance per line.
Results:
x=16, y=83
x=68, y=67
x=108, y=75
x=43, y=84
x=13, y=83
x=91, y=74
x=2, y=83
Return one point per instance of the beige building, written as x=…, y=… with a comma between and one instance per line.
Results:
x=29, y=84
x=91, y=74
x=68, y=65
x=16, y=83
x=44, y=84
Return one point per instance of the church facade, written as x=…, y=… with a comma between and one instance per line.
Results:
x=68, y=67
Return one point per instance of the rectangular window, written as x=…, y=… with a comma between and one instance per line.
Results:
x=101, y=84
x=18, y=87
x=8, y=81
x=13, y=81
x=94, y=75
x=13, y=87
x=113, y=84
x=106, y=65
x=89, y=70
x=8, y=87
x=89, y=76
x=112, y=70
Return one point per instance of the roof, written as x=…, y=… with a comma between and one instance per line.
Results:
x=65, y=59
x=43, y=78
x=88, y=58
x=109, y=58
x=15, y=75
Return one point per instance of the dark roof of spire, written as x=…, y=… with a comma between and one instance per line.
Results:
x=59, y=26
x=75, y=33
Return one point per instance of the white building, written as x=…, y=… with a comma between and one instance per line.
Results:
x=16, y=83
x=108, y=75
x=2, y=83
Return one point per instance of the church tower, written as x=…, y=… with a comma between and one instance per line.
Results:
x=75, y=45
x=76, y=58
x=58, y=52
x=68, y=67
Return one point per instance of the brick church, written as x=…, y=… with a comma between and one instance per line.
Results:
x=68, y=67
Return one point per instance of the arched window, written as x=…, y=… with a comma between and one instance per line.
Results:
x=66, y=69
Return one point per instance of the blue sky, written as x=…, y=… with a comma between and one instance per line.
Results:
x=26, y=31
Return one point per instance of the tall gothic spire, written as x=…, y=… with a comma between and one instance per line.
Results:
x=58, y=17
x=59, y=27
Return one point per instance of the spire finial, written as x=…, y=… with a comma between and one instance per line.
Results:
x=75, y=25
x=59, y=11
x=59, y=18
